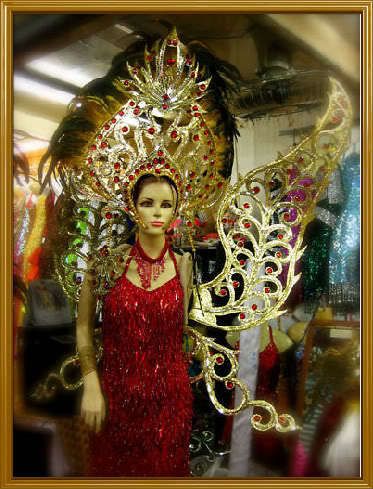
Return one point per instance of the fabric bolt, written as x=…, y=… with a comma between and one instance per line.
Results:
x=145, y=379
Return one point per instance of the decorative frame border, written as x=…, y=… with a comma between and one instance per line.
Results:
x=10, y=7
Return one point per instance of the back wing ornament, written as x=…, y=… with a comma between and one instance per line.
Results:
x=269, y=209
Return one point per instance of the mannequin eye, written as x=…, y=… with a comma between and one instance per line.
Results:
x=146, y=203
x=166, y=205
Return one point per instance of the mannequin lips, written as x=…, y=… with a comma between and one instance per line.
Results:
x=157, y=224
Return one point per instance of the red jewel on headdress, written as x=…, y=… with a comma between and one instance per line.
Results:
x=165, y=97
x=206, y=132
x=142, y=167
x=132, y=103
x=189, y=224
x=104, y=144
x=92, y=173
x=93, y=147
x=223, y=292
x=205, y=157
x=212, y=176
x=193, y=74
x=188, y=187
x=235, y=283
x=247, y=225
x=202, y=87
x=157, y=170
x=107, y=127
x=269, y=270
x=137, y=171
x=196, y=137
x=149, y=166
x=160, y=153
x=174, y=134
x=161, y=161
x=137, y=111
x=197, y=114
x=164, y=106
x=280, y=236
x=219, y=360
x=113, y=120
x=267, y=290
x=229, y=385
x=287, y=216
x=125, y=129
x=126, y=83
x=167, y=166
x=177, y=177
x=155, y=161
x=257, y=418
x=151, y=130
x=173, y=170
x=108, y=215
x=256, y=190
x=195, y=108
x=242, y=315
x=254, y=307
x=279, y=254
x=246, y=205
x=89, y=160
x=220, y=184
x=131, y=177
x=116, y=179
x=242, y=262
x=121, y=112
x=99, y=136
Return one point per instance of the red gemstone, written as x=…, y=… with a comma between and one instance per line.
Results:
x=229, y=385
x=196, y=137
x=93, y=147
x=92, y=173
x=189, y=224
x=188, y=187
x=256, y=190
x=224, y=220
x=135, y=71
x=113, y=120
x=164, y=106
x=116, y=179
x=219, y=360
x=108, y=215
x=125, y=129
x=137, y=171
x=149, y=166
x=142, y=167
x=171, y=61
x=136, y=111
x=205, y=157
x=160, y=153
x=192, y=174
x=103, y=144
x=173, y=170
x=247, y=225
x=254, y=307
x=287, y=216
x=99, y=136
x=235, y=283
x=257, y=418
x=193, y=74
x=116, y=166
x=121, y=112
x=90, y=160
x=195, y=108
x=220, y=184
x=242, y=262
x=267, y=290
x=131, y=177
x=165, y=97
x=269, y=270
x=132, y=103
x=223, y=292
x=126, y=83
x=242, y=315
x=151, y=130
x=157, y=170
x=161, y=161
x=279, y=254
x=240, y=244
x=155, y=161
x=107, y=126
x=246, y=205
x=167, y=166
x=98, y=183
x=174, y=42
x=202, y=87
x=280, y=236
x=174, y=134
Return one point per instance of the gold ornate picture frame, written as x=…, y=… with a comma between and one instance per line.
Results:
x=8, y=10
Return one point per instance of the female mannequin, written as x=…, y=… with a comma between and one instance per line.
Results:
x=166, y=290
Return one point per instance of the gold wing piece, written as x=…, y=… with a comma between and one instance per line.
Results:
x=270, y=208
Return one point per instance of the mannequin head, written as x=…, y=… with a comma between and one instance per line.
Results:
x=155, y=199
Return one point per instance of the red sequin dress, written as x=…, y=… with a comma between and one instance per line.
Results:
x=145, y=380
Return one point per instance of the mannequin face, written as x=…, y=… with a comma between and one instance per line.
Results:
x=155, y=206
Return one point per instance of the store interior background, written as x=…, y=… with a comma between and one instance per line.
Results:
x=55, y=55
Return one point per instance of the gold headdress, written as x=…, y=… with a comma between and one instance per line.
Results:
x=161, y=130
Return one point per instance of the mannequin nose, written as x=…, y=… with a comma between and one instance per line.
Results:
x=157, y=212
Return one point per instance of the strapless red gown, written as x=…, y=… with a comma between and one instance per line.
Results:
x=145, y=380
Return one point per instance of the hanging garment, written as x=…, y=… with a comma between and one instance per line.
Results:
x=145, y=380
x=344, y=259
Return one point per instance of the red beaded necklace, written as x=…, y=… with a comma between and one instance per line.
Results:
x=148, y=268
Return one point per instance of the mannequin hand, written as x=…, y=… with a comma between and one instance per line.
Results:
x=93, y=408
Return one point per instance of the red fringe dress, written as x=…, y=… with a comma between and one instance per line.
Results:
x=146, y=384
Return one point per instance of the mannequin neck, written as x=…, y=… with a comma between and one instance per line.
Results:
x=151, y=244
